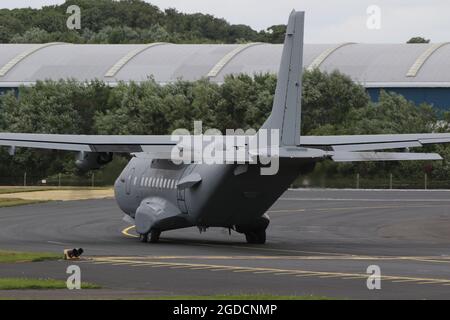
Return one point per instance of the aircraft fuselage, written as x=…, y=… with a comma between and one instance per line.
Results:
x=167, y=196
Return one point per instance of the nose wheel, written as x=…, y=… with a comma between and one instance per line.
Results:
x=152, y=237
x=143, y=238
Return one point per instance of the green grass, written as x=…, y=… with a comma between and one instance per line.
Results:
x=19, y=189
x=4, y=190
x=12, y=202
x=240, y=297
x=38, y=284
x=13, y=256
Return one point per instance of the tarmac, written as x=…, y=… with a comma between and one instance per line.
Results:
x=319, y=242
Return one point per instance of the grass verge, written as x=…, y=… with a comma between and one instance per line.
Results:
x=13, y=256
x=4, y=190
x=38, y=284
x=240, y=297
x=12, y=202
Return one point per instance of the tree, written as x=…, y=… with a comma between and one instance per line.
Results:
x=418, y=40
x=134, y=109
x=33, y=35
x=244, y=102
x=125, y=21
x=45, y=108
x=274, y=34
x=4, y=35
x=332, y=104
x=327, y=99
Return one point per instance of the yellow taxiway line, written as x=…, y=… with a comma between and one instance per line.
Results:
x=320, y=255
x=274, y=271
x=126, y=232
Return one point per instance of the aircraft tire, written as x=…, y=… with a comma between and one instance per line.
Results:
x=154, y=236
x=256, y=236
x=143, y=238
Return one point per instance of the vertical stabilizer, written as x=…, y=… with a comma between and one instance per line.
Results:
x=286, y=110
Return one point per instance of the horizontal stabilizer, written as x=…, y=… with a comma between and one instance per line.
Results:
x=382, y=156
x=374, y=142
x=377, y=146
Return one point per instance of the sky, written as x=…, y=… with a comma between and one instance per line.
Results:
x=327, y=21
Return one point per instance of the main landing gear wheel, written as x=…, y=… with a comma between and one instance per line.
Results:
x=256, y=236
x=154, y=236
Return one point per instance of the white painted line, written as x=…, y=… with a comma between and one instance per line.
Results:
x=365, y=190
x=365, y=200
x=58, y=243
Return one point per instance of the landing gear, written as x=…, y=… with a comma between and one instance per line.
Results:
x=256, y=236
x=143, y=238
x=255, y=231
x=152, y=236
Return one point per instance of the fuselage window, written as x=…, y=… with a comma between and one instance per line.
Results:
x=135, y=180
x=152, y=182
x=145, y=181
x=158, y=183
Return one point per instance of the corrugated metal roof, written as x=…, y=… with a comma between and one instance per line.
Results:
x=373, y=65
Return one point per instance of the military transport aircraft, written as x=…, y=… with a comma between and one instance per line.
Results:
x=158, y=195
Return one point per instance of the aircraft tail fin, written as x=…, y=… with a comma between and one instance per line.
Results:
x=286, y=110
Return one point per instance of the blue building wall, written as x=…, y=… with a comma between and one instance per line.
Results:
x=438, y=97
x=5, y=90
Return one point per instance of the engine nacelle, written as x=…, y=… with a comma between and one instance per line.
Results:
x=92, y=160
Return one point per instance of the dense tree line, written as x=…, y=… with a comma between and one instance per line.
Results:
x=125, y=21
x=332, y=104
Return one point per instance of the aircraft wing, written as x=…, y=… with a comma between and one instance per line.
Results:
x=352, y=143
x=89, y=143
x=338, y=148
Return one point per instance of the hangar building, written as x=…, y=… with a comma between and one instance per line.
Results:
x=420, y=72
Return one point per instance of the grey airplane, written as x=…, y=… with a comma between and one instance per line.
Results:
x=157, y=194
